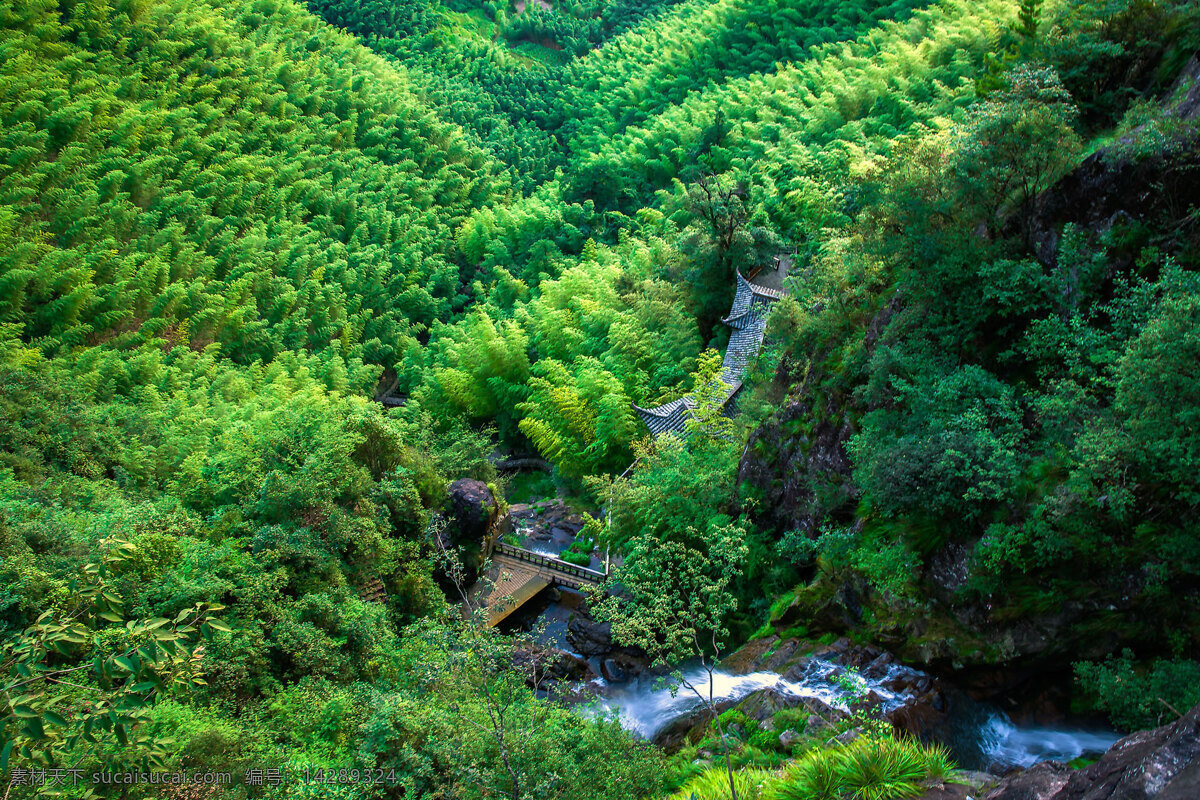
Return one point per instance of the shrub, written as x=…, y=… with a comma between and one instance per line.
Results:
x=814, y=777
x=939, y=764
x=791, y=718
x=1136, y=696
x=576, y=558
x=764, y=740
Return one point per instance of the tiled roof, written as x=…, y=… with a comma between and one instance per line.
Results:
x=748, y=318
x=743, y=347
x=750, y=303
x=670, y=416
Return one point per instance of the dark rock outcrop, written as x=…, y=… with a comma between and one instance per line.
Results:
x=1159, y=764
x=471, y=513
x=1114, y=186
x=764, y=704
x=539, y=664
x=1039, y=782
x=789, y=457
x=472, y=510
x=797, y=459
x=550, y=522
x=588, y=637
x=593, y=640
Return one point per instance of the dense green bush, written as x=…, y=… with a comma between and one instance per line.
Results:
x=1135, y=695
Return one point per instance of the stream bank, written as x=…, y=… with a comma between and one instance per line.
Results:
x=798, y=690
x=990, y=731
x=786, y=694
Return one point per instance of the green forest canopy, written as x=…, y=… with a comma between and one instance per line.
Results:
x=226, y=226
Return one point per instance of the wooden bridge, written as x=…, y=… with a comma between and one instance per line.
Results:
x=748, y=318
x=518, y=574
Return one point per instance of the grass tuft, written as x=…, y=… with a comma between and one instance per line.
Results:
x=713, y=784
x=865, y=769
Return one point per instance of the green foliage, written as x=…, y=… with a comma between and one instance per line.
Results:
x=528, y=487
x=82, y=677
x=952, y=449
x=1158, y=397
x=1137, y=696
x=467, y=724
x=228, y=209
x=677, y=597
x=713, y=784
x=580, y=420
x=1016, y=143
x=877, y=771
x=1109, y=51
x=813, y=777
x=225, y=226
x=866, y=769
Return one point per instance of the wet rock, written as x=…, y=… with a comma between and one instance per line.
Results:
x=842, y=611
x=547, y=521
x=978, y=782
x=613, y=672
x=821, y=709
x=765, y=703
x=790, y=738
x=521, y=511
x=873, y=700
x=589, y=637
x=757, y=654
x=593, y=640
x=925, y=717
x=878, y=666
x=912, y=700
x=950, y=568
x=948, y=791
x=687, y=727
x=815, y=725
x=1039, y=782
x=787, y=468
x=542, y=664
x=846, y=737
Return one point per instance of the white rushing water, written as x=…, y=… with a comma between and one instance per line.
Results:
x=646, y=707
x=1006, y=745
x=988, y=739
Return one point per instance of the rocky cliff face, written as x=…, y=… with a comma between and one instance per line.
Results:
x=797, y=460
x=798, y=466
x=1144, y=179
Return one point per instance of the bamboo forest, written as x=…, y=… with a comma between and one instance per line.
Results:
x=600, y=399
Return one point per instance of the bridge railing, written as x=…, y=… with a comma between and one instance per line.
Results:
x=549, y=562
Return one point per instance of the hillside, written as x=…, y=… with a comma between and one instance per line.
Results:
x=306, y=306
